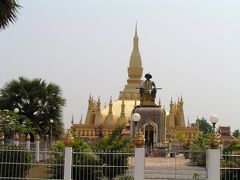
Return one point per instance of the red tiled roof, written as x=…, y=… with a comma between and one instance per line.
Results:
x=125, y=132
x=224, y=138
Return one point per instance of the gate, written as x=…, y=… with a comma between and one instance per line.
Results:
x=230, y=167
x=165, y=164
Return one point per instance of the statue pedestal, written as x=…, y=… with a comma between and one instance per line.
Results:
x=147, y=100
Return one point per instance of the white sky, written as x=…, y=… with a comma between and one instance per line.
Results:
x=190, y=48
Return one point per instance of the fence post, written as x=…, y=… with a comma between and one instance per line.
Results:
x=45, y=146
x=37, y=138
x=68, y=156
x=139, y=159
x=16, y=140
x=28, y=142
x=213, y=164
x=2, y=138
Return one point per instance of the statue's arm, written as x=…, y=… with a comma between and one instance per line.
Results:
x=153, y=84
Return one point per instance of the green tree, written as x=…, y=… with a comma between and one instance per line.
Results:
x=37, y=101
x=204, y=126
x=9, y=124
x=86, y=164
x=201, y=142
x=116, y=163
x=236, y=133
x=198, y=149
x=232, y=148
x=8, y=12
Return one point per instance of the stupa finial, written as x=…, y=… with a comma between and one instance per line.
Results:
x=72, y=122
x=136, y=29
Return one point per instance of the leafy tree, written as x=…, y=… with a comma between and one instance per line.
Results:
x=204, y=126
x=114, y=142
x=35, y=100
x=201, y=142
x=9, y=124
x=236, y=133
x=198, y=149
x=232, y=148
x=85, y=161
x=116, y=164
x=8, y=12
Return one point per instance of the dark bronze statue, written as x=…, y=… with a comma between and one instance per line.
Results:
x=148, y=87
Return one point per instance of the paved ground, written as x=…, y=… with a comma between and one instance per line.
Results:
x=162, y=168
x=167, y=161
x=179, y=160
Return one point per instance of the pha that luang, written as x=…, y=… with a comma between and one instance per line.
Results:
x=138, y=96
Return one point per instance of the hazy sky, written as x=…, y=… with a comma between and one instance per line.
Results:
x=190, y=48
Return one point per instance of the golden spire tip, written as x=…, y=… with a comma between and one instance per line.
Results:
x=136, y=29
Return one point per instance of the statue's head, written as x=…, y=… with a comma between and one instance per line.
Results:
x=148, y=76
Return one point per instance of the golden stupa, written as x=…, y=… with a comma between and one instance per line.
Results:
x=170, y=125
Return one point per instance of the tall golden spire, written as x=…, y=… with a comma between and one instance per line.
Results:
x=181, y=104
x=110, y=119
x=98, y=116
x=80, y=122
x=171, y=115
x=98, y=104
x=72, y=122
x=134, y=72
x=136, y=29
x=180, y=114
x=110, y=105
x=135, y=64
x=171, y=106
x=90, y=109
x=90, y=101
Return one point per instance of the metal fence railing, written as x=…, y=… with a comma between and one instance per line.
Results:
x=175, y=164
x=230, y=167
x=19, y=163
x=102, y=165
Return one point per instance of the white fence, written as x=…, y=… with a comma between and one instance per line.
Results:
x=17, y=163
x=177, y=164
x=36, y=164
x=102, y=165
x=20, y=163
x=230, y=167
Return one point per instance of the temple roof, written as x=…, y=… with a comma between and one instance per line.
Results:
x=116, y=108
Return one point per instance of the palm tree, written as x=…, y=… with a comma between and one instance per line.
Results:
x=36, y=101
x=8, y=12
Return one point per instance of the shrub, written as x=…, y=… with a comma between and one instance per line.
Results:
x=198, y=149
x=232, y=148
x=109, y=157
x=15, y=161
x=232, y=165
x=116, y=154
x=83, y=156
